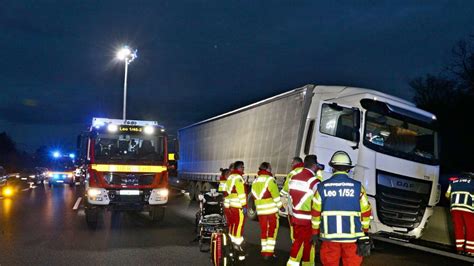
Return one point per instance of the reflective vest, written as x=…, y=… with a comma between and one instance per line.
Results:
x=461, y=194
x=222, y=181
x=234, y=187
x=296, y=170
x=265, y=193
x=301, y=191
x=341, y=210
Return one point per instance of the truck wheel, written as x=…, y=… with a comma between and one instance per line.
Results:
x=206, y=187
x=198, y=190
x=191, y=190
x=92, y=217
x=251, y=212
x=157, y=213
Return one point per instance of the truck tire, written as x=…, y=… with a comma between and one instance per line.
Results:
x=92, y=217
x=198, y=190
x=251, y=212
x=191, y=190
x=206, y=187
x=157, y=213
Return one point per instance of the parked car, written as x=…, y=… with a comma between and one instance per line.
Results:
x=39, y=176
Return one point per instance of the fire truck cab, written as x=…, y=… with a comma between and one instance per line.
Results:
x=125, y=163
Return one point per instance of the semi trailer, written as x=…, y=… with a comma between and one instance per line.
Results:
x=393, y=144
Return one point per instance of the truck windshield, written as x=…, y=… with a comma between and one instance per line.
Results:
x=401, y=136
x=124, y=148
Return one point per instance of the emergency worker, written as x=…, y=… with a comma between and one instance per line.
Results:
x=301, y=189
x=461, y=193
x=236, y=206
x=341, y=214
x=297, y=166
x=267, y=203
x=225, y=172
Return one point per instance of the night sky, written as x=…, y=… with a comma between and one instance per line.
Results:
x=198, y=59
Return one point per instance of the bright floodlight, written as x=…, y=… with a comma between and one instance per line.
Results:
x=123, y=53
x=56, y=154
x=149, y=130
x=112, y=128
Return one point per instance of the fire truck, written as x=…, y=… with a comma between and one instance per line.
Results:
x=125, y=167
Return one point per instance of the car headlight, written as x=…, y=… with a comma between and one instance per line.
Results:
x=7, y=192
x=31, y=176
x=50, y=174
x=69, y=175
x=94, y=192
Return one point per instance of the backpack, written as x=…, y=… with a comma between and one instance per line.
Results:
x=222, y=250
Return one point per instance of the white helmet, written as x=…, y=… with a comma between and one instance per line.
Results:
x=340, y=158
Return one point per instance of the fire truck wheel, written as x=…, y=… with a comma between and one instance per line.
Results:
x=251, y=212
x=92, y=216
x=191, y=189
x=157, y=213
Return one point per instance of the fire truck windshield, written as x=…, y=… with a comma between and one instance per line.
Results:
x=125, y=148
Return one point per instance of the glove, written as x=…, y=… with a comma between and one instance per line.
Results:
x=364, y=246
x=315, y=239
x=244, y=210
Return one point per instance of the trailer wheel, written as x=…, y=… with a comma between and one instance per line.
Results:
x=251, y=212
x=198, y=190
x=191, y=189
x=206, y=187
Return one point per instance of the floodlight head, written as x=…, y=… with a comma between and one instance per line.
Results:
x=123, y=53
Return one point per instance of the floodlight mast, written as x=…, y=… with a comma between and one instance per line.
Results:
x=126, y=55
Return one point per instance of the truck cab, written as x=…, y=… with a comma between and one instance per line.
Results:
x=395, y=147
x=126, y=167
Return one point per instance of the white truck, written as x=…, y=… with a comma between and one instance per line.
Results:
x=393, y=143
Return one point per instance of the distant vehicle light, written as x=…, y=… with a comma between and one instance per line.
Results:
x=149, y=130
x=453, y=178
x=56, y=154
x=112, y=128
x=50, y=174
x=70, y=175
x=163, y=130
x=7, y=192
x=72, y=155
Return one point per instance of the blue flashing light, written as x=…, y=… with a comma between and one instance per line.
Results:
x=56, y=154
x=72, y=155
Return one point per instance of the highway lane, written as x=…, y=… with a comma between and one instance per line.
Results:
x=40, y=226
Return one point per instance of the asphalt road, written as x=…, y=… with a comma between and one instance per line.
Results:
x=39, y=226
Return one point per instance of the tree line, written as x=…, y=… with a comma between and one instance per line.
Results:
x=449, y=94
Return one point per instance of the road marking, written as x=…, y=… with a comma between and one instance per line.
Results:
x=426, y=249
x=78, y=201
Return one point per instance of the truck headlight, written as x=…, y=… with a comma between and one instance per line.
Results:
x=163, y=192
x=94, y=192
x=69, y=175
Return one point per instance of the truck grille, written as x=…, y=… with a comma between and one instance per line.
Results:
x=129, y=179
x=401, y=201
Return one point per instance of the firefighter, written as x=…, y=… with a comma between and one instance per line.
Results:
x=461, y=193
x=301, y=189
x=341, y=214
x=236, y=206
x=267, y=203
x=297, y=166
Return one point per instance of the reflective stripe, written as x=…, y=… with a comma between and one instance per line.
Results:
x=302, y=216
x=292, y=262
x=277, y=199
x=316, y=223
x=461, y=240
x=469, y=242
x=264, y=206
x=339, y=224
x=460, y=246
x=267, y=211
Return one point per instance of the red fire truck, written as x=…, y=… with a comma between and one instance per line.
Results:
x=125, y=166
